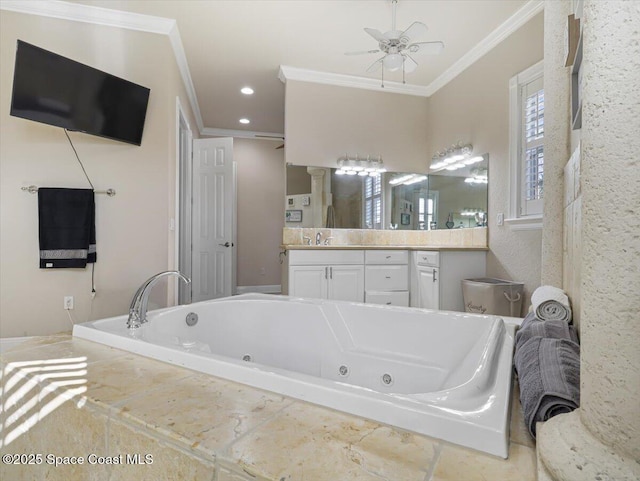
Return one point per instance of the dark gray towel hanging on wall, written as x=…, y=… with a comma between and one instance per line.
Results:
x=67, y=232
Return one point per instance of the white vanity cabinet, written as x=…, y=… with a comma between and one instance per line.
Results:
x=436, y=277
x=334, y=274
x=386, y=277
x=426, y=287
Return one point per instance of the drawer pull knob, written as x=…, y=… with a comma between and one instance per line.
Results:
x=387, y=277
x=388, y=257
x=388, y=303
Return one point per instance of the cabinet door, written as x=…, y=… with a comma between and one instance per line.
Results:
x=308, y=281
x=346, y=283
x=428, y=287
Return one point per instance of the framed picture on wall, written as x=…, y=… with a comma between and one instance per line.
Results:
x=293, y=216
x=405, y=219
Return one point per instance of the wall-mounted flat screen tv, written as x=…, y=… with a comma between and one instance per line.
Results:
x=58, y=91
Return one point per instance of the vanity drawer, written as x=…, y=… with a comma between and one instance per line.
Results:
x=428, y=258
x=386, y=257
x=386, y=278
x=398, y=298
x=315, y=257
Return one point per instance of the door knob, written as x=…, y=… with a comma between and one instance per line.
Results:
x=226, y=244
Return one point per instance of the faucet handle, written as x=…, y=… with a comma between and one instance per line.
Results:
x=307, y=238
x=326, y=241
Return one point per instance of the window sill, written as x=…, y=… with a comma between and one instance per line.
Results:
x=533, y=222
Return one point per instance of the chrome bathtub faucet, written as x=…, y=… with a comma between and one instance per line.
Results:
x=140, y=301
x=318, y=238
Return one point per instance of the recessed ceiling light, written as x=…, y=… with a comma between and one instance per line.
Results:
x=244, y=121
x=247, y=90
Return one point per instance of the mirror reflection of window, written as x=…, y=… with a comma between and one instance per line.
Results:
x=426, y=212
x=372, y=202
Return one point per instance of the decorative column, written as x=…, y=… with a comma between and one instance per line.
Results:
x=601, y=440
x=317, y=195
x=557, y=123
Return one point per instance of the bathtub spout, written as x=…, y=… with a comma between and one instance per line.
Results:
x=140, y=301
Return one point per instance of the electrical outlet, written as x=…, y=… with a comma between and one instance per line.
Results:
x=68, y=302
x=500, y=219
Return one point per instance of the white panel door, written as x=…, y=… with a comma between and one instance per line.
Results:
x=346, y=283
x=428, y=287
x=213, y=222
x=308, y=281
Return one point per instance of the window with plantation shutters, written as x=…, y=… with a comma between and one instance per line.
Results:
x=372, y=202
x=533, y=148
x=526, y=92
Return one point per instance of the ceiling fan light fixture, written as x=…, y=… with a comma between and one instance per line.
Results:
x=393, y=61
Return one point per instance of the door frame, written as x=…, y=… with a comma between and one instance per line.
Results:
x=182, y=214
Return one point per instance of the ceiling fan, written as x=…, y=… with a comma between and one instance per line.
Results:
x=397, y=45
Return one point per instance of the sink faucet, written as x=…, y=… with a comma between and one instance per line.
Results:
x=140, y=301
x=318, y=238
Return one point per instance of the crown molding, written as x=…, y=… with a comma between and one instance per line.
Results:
x=185, y=73
x=506, y=28
x=90, y=14
x=243, y=134
x=304, y=75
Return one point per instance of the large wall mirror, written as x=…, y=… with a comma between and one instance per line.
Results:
x=318, y=197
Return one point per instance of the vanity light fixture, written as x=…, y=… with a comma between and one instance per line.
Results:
x=478, y=176
x=407, y=179
x=244, y=121
x=371, y=166
x=469, y=211
x=455, y=157
x=247, y=90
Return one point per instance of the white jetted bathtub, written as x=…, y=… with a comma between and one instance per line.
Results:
x=442, y=374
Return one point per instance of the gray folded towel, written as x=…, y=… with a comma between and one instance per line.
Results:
x=534, y=327
x=549, y=378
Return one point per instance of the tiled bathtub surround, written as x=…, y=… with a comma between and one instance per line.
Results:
x=71, y=397
x=473, y=238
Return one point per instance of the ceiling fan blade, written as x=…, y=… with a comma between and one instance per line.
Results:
x=426, y=47
x=362, y=52
x=414, y=31
x=375, y=66
x=377, y=35
x=409, y=64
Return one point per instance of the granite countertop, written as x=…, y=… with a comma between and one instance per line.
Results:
x=380, y=247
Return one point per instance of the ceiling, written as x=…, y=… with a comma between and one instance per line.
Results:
x=237, y=43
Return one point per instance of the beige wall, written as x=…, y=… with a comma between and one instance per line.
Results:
x=323, y=122
x=474, y=107
x=133, y=238
x=261, y=186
